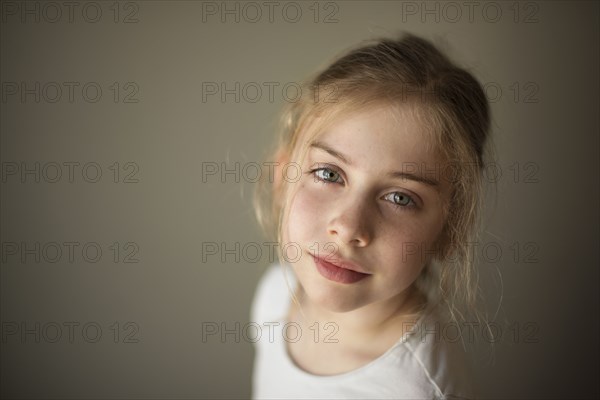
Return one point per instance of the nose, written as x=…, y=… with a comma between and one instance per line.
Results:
x=351, y=223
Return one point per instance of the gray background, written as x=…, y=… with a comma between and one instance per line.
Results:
x=539, y=61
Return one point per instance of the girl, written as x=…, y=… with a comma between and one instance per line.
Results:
x=375, y=199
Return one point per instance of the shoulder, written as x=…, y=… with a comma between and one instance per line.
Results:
x=272, y=295
x=443, y=358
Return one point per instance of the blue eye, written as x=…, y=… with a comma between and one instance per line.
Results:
x=401, y=199
x=326, y=175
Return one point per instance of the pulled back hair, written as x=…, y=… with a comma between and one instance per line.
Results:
x=452, y=107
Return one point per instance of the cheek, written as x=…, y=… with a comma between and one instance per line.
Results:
x=409, y=244
x=303, y=216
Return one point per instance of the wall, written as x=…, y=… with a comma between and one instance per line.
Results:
x=121, y=131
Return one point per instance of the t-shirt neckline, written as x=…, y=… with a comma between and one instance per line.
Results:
x=344, y=375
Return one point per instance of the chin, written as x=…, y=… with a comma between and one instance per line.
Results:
x=338, y=300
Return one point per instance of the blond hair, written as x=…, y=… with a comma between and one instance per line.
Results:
x=453, y=107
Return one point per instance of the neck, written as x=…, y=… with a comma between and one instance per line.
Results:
x=387, y=318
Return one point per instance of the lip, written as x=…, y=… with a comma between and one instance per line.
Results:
x=339, y=271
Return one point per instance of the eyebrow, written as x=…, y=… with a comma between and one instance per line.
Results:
x=335, y=153
x=396, y=174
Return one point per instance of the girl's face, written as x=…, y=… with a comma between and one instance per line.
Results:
x=370, y=195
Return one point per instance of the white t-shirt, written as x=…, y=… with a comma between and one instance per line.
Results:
x=420, y=365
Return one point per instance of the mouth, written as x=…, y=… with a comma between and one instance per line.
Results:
x=339, y=271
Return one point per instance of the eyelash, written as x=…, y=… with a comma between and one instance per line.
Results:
x=313, y=172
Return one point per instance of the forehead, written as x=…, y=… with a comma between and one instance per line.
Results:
x=381, y=135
